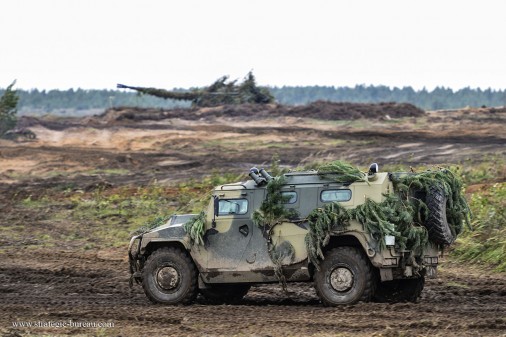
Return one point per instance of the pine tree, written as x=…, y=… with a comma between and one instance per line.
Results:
x=8, y=104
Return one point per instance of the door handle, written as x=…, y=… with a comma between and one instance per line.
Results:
x=244, y=230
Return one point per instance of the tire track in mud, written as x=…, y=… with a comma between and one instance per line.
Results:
x=45, y=285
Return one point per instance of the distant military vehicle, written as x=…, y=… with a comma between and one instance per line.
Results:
x=358, y=263
x=20, y=132
x=219, y=93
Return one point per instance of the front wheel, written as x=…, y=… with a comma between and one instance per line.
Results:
x=170, y=277
x=345, y=277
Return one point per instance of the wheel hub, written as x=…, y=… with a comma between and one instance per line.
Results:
x=167, y=278
x=341, y=279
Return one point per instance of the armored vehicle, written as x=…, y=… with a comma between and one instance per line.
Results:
x=20, y=132
x=348, y=260
x=219, y=93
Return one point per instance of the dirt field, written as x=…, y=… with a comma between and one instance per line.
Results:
x=43, y=280
x=62, y=285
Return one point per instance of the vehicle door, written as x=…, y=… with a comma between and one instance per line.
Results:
x=232, y=230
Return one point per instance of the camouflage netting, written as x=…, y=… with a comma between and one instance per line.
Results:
x=341, y=172
x=322, y=221
x=195, y=228
x=279, y=255
x=401, y=214
x=272, y=211
x=391, y=217
x=457, y=210
x=158, y=221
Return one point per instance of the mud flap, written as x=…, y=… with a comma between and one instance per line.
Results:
x=431, y=271
x=386, y=274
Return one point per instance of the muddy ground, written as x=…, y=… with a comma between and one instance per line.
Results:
x=42, y=283
x=62, y=285
x=112, y=149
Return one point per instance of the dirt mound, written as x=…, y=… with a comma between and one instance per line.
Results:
x=344, y=110
x=49, y=122
x=317, y=110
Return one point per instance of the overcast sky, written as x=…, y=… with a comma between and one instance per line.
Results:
x=61, y=44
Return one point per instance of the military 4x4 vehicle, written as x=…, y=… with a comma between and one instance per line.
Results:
x=351, y=263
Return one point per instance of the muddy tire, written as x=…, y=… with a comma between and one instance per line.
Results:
x=170, y=277
x=396, y=291
x=345, y=277
x=437, y=223
x=225, y=293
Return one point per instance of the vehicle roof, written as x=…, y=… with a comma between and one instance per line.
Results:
x=295, y=178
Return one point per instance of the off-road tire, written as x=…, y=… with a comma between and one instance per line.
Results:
x=225, y=293
x=407, y=290
x=348, y=261
x=437, y=223
x=173, y=259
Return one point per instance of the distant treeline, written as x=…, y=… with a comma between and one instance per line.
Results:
x=439, y=98
x=72, y=101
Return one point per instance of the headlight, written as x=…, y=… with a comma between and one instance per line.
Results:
x=389, y=240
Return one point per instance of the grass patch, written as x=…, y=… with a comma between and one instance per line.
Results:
x=485, y=243
x=111, y=172
x=489, y=169
x=105, y=217
x=457, y=285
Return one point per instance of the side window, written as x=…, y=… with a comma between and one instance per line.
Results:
x=232, y=206
x=290, y=197
x=335, y=195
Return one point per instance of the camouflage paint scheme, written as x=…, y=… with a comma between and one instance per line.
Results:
x=236, y=250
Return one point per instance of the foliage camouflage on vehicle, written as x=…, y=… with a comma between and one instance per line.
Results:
x=219, y=93
x=341, y=172
x=457, y=210
x=272, y=211
x=196, y=228
x=400, y=215
x=158, y=221
x=322, y=221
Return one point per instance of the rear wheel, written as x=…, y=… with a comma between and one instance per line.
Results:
x=408, y=290
x=170, y=277
x=345, y=277
x=225, y=293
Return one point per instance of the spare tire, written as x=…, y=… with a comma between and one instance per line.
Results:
x=436, y=222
